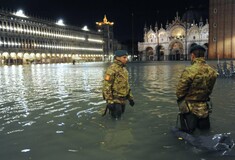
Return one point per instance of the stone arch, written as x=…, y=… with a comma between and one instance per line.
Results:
x=176, y=50
x=5, y=54
x=5, y=57
x=193, y=34
x=177, y=32
x=149, y=53
x=13, y=55
x=160, y=52
x=26, y=58
x=38, y=58
x=19, y=58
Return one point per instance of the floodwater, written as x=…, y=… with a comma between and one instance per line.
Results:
x=53, y=112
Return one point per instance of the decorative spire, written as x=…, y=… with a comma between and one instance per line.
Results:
x=105, y=22
x=167, y=24
x=145, y=28
x=200, y=22
x=156, y=27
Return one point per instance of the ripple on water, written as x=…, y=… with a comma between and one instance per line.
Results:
x=44, y=106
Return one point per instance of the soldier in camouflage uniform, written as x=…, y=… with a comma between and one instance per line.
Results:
x=116, y=89
x=193, y=90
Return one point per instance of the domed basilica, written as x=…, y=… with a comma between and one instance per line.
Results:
x=174, y=40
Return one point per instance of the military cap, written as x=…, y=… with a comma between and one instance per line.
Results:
x=120, y=53
x=197, y=47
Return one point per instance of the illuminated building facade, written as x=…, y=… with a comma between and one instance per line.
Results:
x=222, y=29
x=173, y=41
x=25, y=39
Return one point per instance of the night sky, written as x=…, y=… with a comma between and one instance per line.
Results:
x=123, y=13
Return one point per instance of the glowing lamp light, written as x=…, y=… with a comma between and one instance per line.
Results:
x=20, y=13
x=85, y=28
x=60, y=22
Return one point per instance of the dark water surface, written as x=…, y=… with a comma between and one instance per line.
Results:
x=53, y=112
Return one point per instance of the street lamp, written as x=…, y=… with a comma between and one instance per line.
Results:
x=186, y=36
x=132, y=28
x=158, y=47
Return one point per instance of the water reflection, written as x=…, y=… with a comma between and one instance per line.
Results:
x=53, y=111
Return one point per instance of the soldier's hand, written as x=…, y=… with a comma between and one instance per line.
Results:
x=131, y=102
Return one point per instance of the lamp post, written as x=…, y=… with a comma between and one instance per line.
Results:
x=185, y=56
x=158, y=47
x=186, y=36
x=132, y=35
x=107, y=29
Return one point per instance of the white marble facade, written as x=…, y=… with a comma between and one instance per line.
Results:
x=174, y=40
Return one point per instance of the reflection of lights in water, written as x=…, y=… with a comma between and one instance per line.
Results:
x=59, y=132
x=25, y=150
x=15, y=131
x=89, y=110
x=97, y=103
x=72, y=150
x=13, y=98
x=27, y=123
x=61, y=124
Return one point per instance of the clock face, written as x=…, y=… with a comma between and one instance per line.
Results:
x=178, y=32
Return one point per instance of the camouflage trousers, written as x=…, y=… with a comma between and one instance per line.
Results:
x=200, y=109
x=189, y=122
x=117, y=110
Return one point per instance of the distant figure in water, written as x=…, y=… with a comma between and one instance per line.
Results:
x=74, y=62
x=193, y=90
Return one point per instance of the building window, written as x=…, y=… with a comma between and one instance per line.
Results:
x=214, y=25
x=214, y=39
x=215, y=10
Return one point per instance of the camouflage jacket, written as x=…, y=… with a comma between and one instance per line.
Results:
x=116, y=87
x=195, y=86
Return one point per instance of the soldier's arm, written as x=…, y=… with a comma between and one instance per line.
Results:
x=183, y=85
x=107, y=86
x=130, y=95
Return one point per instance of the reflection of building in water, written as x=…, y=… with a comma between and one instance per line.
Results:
x=225, y=70
x=173, y=41
x=25, y=39
x=222, y=29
